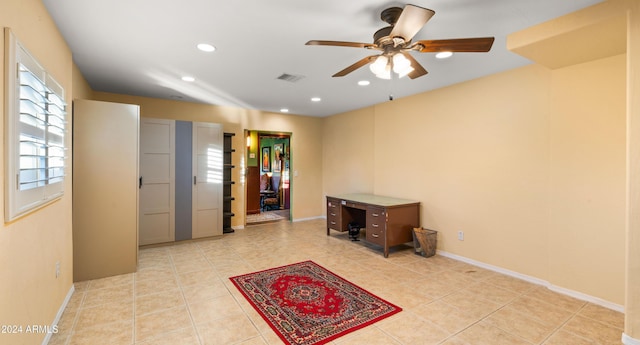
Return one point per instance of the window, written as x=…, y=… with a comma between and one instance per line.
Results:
x=35, y=129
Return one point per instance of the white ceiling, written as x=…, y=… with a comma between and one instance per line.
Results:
x=144, y=47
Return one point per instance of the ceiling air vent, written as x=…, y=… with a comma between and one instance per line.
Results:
x=290, y=77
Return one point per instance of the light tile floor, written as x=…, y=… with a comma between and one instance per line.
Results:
x=181, y=294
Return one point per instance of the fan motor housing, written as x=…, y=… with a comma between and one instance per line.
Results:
x=381, y=37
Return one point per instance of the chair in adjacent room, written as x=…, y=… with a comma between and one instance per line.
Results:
x=272, y=202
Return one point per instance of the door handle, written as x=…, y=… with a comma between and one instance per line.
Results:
x=140, y=183
x=194, y=180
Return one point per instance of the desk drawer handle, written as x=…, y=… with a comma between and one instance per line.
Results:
x=333, y=223
x=374, y=225
x=375, y=235
x=333, y=214
x=375, y=214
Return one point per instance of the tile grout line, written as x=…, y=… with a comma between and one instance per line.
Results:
x=573, y=315
x=135, y=279
x=226, y=286
x=518, y=295
x=184, y=297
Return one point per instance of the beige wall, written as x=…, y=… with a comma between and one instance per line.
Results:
x=478, y=161
x=632, y=283
x=81, y=89
x=348, y=152
x=306, y=145
x=30, y=246
x=474, y=158
x=587, y=192
x=529, y=163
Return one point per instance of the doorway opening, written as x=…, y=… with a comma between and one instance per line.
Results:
x=268, y=183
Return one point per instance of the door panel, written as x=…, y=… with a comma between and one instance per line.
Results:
x=208, y=179
x=184, y=180
x=157, y=190
x=105, y=189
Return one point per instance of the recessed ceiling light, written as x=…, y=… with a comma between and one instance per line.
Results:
x=189, y=79
x=316, y=99
x=364, y=82
x=205, y=47
x=284, y=110
x=444, y=55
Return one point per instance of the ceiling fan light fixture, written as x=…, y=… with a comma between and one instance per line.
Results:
x=444, y=55
x=379, y=66
x=385, y=74
x=400, y=63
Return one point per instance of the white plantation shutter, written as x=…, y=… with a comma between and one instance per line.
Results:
x=35, y=129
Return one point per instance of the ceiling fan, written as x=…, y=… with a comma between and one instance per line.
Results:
x=394, y=41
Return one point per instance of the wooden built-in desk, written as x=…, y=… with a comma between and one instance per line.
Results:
x=388, y=221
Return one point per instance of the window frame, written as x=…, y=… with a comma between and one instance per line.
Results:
x=45, y=133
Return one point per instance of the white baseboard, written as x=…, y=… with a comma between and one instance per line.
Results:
x=588, y=298
x=504, y=271
x=627, y=340
x=571, y=293
x=54, y=325
x=310, y=218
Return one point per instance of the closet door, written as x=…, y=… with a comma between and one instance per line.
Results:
x=207, y=179
x=105, y=189
x=157, y=181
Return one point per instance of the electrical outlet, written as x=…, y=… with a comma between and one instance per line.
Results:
x=57, y=269
x=461, y=235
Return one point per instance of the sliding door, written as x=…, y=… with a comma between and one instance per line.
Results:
x=157, y=181
x=207, y=179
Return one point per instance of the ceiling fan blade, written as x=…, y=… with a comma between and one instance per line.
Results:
x=340, y=44
x=355, y=66
x=411, y=20
x=463, y=45
x=418, y=70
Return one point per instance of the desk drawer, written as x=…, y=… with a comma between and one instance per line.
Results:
x=376, y=225
x=334, y=214
x=333, y=222
x=356, y=205
x=375, y=235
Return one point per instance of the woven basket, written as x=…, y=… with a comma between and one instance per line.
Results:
x=425, y=241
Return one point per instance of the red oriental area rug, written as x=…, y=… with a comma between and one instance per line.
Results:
x=306, y=304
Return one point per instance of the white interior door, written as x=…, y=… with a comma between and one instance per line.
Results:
x=207, y=180
x=157, y=181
